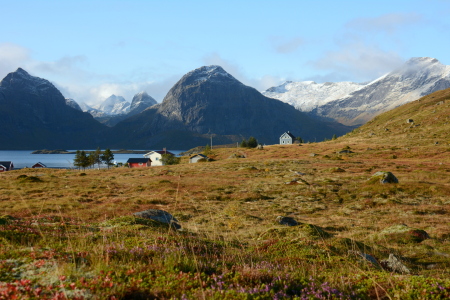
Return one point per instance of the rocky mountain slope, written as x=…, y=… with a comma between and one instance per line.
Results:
x=35, y=116
x=209, y=101
x=140, y=102
x=416, y=78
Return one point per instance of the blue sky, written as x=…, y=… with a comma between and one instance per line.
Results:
x=92, y=49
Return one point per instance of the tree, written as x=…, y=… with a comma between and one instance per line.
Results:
x=96, y=157
x=107, y=157
x=299, y=139
x=81, y=160
x=207, y=150
x=244, y=144
x=169, y=159
x=252, y=142
x=334, y=137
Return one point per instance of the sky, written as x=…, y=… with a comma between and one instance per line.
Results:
x=92, y=49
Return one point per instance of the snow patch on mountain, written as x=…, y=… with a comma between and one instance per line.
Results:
x=418, y=77
x=72, y=103
x=114, y=105
x=213, y=72
x=307, y=95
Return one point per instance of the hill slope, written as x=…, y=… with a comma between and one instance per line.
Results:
x=425, y=121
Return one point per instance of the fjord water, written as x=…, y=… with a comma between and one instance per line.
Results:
x=24, y=158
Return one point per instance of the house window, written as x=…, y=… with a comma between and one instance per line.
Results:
x=140, y=164
x=157, y=158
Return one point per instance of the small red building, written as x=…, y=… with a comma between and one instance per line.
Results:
x=139, y=162
x=38, y=165
x=6, y=166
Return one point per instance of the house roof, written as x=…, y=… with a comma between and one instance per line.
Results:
x=289, y=134
x=7, y=164
x=41, y=164
x=159, y=152
x=198, y=154
x=138, y=160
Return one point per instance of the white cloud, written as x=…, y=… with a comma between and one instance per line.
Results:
x=357, y=60
x=12, y=57
x=388, y=23
x=283, y=45
x=71, y=76
x=261, y=84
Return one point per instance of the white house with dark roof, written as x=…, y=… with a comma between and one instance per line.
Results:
x=287, y=138
x=155, y=156
x=196, y=157
x=6, y=166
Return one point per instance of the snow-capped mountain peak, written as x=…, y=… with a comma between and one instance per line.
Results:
x=114, y=105
x=307, y=95
x=213, y=72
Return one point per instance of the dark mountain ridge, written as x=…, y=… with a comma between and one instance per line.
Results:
x=35, y=115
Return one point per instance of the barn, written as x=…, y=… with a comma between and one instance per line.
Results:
x=139, y=162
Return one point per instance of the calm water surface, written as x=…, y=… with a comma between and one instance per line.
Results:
x=24, y=158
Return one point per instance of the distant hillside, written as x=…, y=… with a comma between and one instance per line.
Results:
x=425, y=121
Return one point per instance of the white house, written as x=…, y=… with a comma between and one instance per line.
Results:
x=287, y=138
x=156, y=156
x=196, y=157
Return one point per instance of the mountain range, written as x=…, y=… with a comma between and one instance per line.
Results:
x=207, y=104
x=354, y=104
x=209, y=101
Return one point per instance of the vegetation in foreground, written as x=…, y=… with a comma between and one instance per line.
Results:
x=68, y=234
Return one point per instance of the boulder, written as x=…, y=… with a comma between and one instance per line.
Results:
x=159, y=216
x=384, y=177
x=345, y=151
x=403, y=234
x=394, y=264
x=286, y=221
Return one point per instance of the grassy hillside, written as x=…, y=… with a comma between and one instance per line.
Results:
x=70, y=234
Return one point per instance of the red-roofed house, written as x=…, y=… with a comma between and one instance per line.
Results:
x=139, y=162
x=38, y=165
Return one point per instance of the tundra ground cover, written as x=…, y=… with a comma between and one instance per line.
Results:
x=67, y=234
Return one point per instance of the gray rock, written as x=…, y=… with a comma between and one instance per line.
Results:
x=395, y=265
x=385, y=177
x=345, y=151
x=159, y=216
x=368, y=258
x=287, y=221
